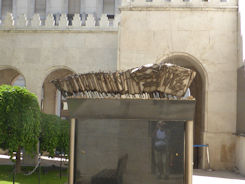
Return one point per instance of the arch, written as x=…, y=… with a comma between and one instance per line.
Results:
x=9, y=74
x=19, y=80
x=190, y=58
x=53, y=69
x=198, y=90
x=49, y=100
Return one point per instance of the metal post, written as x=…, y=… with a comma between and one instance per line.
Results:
x=39, y=172
x=188, y=152
x=14, y=173
x=72, y=150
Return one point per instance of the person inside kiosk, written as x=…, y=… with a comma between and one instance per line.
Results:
x=160, y=140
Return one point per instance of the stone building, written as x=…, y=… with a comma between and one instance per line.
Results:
x=46, y=39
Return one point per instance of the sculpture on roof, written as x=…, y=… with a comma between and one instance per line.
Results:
x=151, y=79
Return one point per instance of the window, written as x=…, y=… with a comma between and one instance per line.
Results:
x=58, y=103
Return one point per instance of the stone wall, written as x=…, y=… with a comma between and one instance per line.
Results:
x=240, y=156
x=35, y=52
x=207, y=35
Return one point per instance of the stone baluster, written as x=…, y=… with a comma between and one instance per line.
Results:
x=21, y=21
x=9, y=20
x=104, y=21
x=76, y=22
x=90, y=22
x=63, y=21
x=116, y=20
x=36, y=21
x=49, y=22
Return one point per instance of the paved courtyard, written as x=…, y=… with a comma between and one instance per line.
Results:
x=217, y=177
x=199, y=176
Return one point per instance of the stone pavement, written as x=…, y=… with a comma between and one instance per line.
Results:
x=217, y=177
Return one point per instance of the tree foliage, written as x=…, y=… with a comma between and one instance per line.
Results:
x=19, y=119
x=54, y=134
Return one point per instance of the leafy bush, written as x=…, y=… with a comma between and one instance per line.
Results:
x=19, y=120
x=54, y=134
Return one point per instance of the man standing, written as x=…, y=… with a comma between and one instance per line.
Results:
x=161, y=149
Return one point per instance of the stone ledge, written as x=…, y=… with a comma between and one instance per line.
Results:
x=178, y=8
x=65, y=30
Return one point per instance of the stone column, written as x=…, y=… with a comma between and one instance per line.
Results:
x=0, y=9
x=99, y=8
x=26, y=7
x=72, y=151
x=188, y=151
x=83, y=6
x=56, y=6
x=117, y=5
x=30, y=9
x=90, y=6
x=6, y=6
x=74, y=6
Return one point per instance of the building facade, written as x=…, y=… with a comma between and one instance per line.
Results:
x=43, y=39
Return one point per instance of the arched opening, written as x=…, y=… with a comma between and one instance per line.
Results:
x=52, y=101
x=197, y=90
x=19, y=81
x=12, y=77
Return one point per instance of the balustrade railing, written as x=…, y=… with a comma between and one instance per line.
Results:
x=60, y=22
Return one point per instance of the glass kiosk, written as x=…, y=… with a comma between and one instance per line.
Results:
x=131, y=141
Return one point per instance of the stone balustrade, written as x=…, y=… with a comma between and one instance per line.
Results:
x=21, y=22
x=180, y=3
